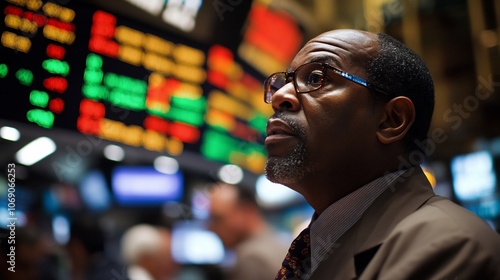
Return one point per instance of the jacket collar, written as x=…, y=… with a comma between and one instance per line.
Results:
x=410, y=191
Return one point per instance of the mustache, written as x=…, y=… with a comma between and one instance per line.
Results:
x=297, y=128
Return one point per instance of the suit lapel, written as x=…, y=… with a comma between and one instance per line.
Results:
x=354, y=250
x=361, y=260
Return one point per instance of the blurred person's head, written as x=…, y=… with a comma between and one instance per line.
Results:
x=234, y=213
x=148, y=247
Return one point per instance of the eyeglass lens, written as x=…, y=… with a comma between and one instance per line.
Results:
x=307, y=78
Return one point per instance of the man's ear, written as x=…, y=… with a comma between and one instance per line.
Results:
x=398, y=117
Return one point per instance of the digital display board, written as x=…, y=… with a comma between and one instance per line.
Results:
x=271, y=38
x=71, y=65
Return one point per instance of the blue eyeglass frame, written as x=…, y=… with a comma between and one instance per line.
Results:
x=268, y=93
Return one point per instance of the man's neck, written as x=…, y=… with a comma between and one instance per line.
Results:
x=321, y=197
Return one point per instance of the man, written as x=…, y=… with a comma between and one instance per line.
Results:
x=146, y=251
x=236, y=218
x=351, y=105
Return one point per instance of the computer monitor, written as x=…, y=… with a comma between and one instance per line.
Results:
x=143, y=186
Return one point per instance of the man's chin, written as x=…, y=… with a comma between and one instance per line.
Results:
x=276, y=172
x=290, y=169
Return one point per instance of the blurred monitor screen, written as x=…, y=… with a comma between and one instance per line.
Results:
x=488, y=208
x=21, y=202
x=200, y=204
x=94, y=191
x=145, y=186
x=192, y=243
x=473, y=176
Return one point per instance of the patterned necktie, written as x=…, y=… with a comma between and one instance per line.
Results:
x=298, y=259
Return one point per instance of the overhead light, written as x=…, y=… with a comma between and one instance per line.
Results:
x=9, y=133
x=114, y=153
x=166, y=165
x=153, y=7
x=231, y=174
x=35, y=151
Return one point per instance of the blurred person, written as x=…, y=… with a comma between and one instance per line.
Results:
x=349, y=130
x=86, y=249
x=236, y=218
x=146, y=251
x=30, y=257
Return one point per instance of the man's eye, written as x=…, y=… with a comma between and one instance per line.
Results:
x=315, y=78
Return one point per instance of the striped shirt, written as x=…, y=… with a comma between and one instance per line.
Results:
x=335, y=220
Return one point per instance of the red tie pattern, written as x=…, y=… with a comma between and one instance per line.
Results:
x=298, y=258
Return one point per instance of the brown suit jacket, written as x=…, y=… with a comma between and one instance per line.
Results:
x=410, y=233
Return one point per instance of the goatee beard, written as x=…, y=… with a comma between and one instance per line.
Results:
x=294, y=166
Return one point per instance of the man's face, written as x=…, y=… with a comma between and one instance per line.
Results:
x=226, y=216
x=314, y=137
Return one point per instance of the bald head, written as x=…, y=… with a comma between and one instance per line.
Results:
x=346, y=48
x=222, y=194
x=148, y=247
x=140, y=240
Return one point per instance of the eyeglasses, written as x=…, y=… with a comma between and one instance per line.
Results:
x=310, y=77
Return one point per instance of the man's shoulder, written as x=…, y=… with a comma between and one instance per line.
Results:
x=440, y=240
x=441, y=212
x=441, y=218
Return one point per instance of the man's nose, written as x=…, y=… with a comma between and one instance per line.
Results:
x=286, y=99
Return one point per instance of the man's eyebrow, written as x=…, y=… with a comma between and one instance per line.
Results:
x=322, y=58
x=332, y=61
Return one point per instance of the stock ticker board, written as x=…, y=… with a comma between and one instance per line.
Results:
x=78, y=67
